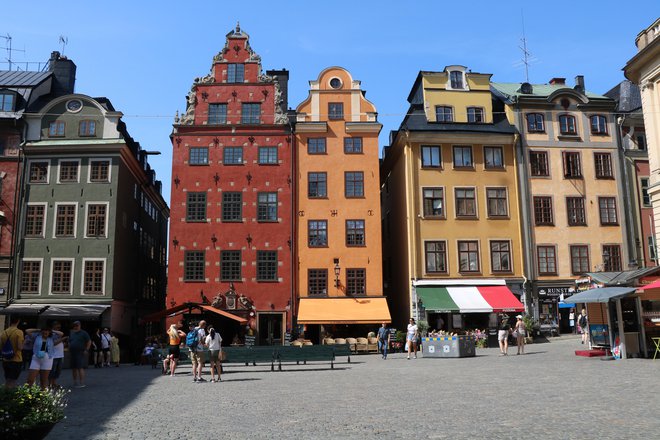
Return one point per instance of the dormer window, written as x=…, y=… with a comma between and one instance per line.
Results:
x=87, y=128
x=598, y=124
x=456, y=79
x=475, y=114
x=56, y=129
x=444, y=114
x=7, y=102
x=235, y=73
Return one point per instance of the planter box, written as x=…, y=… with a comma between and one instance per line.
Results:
x=449, y=347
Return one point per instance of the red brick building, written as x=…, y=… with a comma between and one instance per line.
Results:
x=232, y=193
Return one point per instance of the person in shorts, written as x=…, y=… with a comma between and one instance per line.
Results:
x=58, y=356
x=12, y=366
x=79, y=343
x=214, y=343
x=42, y=358
x=105, y=339
x=197, y=352
x=503, y=335
x=174, y=353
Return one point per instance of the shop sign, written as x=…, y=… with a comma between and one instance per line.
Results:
x=555, y=292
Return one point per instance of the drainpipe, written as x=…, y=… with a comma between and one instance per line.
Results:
x=294, y=223
x=19, y=197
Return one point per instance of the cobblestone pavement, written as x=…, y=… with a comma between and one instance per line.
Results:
x=548, y=393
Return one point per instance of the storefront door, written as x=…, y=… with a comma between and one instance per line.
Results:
x=270, y=329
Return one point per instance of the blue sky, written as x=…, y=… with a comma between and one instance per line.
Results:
x=144, y=55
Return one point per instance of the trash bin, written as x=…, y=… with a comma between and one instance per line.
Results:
x=492, y=338
x=449, y=346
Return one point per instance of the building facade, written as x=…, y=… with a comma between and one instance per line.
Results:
x=450, y=205
x=338, y=233
x=644, y=70
x=231, y=234
x=571, y=185
x=93, y=224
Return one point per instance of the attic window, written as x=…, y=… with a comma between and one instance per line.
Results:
x=7, y=102
x=456, y=79
x=335, y=83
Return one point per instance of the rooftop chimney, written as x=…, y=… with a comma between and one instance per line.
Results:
x=558, y=81
x=64, y=74
x=282, y=77
x=579, y=83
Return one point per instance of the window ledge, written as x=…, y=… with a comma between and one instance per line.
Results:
x=569, y=137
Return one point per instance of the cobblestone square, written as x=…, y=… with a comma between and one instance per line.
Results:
x=547, y=393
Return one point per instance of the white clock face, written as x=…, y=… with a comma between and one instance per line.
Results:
x=74, y=105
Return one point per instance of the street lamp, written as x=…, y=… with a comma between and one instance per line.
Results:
x=337, y=271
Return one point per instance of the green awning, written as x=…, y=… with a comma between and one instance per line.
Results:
x=436, y=299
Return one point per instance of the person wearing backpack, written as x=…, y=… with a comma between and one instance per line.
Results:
x=11, y=343
x=583, y=322
x=195, y=340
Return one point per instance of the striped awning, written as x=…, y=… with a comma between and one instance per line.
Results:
x=468, y=299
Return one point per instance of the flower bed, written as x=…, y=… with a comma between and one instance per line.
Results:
x=29, y=411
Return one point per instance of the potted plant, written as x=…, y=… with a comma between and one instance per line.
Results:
x=529, y=326
x=399, y=340
x=30, y=412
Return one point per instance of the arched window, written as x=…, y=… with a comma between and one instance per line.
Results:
x=567, y=125
x=598, y=124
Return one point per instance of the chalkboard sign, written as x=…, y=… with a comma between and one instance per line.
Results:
x=250, y=340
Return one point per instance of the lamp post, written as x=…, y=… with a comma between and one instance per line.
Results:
x=337, y=272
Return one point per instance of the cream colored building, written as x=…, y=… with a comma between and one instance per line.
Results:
x=644, y=70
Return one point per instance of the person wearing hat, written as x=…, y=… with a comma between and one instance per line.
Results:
x=79, y=343
x=520, y=332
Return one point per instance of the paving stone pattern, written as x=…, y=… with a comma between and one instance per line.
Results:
x=548, y=393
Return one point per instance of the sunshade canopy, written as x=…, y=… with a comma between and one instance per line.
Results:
x=343, y=311
x=80, y=311
x=468, y=299
x=190, y=305
x=602, y=295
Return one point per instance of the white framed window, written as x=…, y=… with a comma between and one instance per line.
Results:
x=96, y=219
x=99, y=170
x=35, y=220
x=68, y=171
x=93, y=277
x=61, y=276
x=65, y=223
x=31, y=276
x=39, y=171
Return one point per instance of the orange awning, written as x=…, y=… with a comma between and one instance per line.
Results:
x=343, y=311
x=223, y=313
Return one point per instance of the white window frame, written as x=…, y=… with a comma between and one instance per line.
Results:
x=89, y=169
x=59, y=168
x=29, y=166
x=82, y=277
x=107, y=215
x=75, y=220
x=43, y=230
x=41, y=277
x=50, y=280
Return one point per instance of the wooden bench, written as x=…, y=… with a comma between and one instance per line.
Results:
x=250, y=355
x=306, y=353
x=342, y=350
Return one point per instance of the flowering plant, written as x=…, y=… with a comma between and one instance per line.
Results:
x=27, y=407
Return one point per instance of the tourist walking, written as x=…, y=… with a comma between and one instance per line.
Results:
x=106, y=338
x=97, y=355
x=214, y=343
x=384, y=339
x=174, y=353
x=195, y=340
x=43, y=353
x=28, y=344
x=411, y=338
x=11, y=343
x=79, y=343
x=583, y=322
x=58, y=356
x=520, y=331
x=114, y=349
x=503, y=334
x=571, y=321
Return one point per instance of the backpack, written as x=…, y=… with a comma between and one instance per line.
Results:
x=7, y=349
x=192, y=338
x=583, y=321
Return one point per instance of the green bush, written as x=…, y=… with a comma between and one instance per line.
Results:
x=26, y=407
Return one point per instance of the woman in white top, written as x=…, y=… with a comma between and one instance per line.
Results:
x=411, y=338
x=214, y=343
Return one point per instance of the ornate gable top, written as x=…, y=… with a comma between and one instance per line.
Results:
x=231, y=44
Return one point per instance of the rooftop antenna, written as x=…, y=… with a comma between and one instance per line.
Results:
x=526, y=55
x=64, y=40
x=7, y=39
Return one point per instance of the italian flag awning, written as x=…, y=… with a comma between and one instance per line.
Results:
x=468, y=299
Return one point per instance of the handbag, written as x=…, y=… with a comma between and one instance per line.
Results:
x=222, y=356
x=515, y=333
x=41, y=354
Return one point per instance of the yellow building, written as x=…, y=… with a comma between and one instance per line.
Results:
x=452, y=242
x=338, y=234
x=571, y=183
